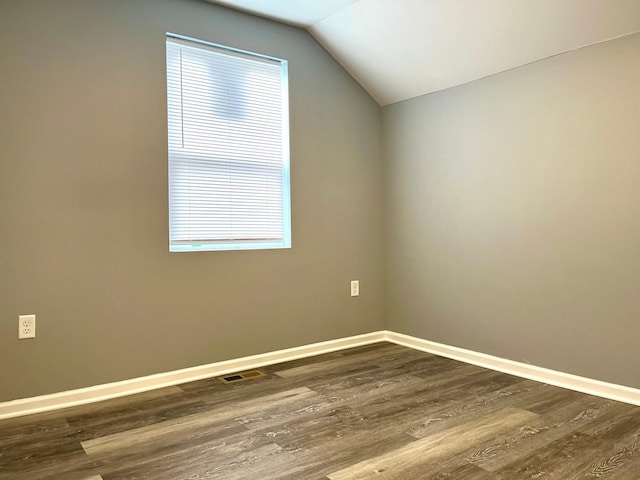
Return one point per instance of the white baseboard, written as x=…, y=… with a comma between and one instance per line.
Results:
x=43, y=403
x=598, y=388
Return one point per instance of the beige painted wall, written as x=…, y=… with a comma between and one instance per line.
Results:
x=83, y=201
x=513, y=213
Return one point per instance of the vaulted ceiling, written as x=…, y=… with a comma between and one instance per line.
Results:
x=400, y=49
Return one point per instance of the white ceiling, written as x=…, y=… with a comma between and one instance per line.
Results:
x=301, y=13
x=400, y=49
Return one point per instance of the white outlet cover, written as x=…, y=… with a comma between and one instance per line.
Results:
x=26, y=326
x=355, y=288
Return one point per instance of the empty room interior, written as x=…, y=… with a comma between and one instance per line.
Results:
x=319, y=240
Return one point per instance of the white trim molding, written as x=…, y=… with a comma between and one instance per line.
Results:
x=569, y=381
x=81, y=396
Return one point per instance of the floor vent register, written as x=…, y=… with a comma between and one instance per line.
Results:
x=241, y=377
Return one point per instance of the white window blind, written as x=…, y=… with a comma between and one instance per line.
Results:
x=228, y=148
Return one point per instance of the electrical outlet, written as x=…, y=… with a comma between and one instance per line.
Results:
x=355, y=288
x=26, y=326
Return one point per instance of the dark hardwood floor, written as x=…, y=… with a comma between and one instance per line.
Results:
x=375, y=412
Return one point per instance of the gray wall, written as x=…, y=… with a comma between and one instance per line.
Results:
x=513, y=213
x=83, y=201
x=512, y=209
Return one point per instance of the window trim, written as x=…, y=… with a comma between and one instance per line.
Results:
x=244, y=244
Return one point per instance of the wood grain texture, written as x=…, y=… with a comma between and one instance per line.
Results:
x=376, y=412
x=519, y=444
x=408, y=461
x=189, y=426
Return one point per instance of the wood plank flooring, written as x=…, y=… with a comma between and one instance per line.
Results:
x=380, y=412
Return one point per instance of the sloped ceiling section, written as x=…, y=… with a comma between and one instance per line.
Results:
x=400, y=49
x=300, y=13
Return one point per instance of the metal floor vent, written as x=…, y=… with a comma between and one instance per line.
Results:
x=240, y=377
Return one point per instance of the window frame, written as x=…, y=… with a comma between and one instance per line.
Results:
x=230, y=244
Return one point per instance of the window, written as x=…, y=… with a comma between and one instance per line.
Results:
x=228, y=148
